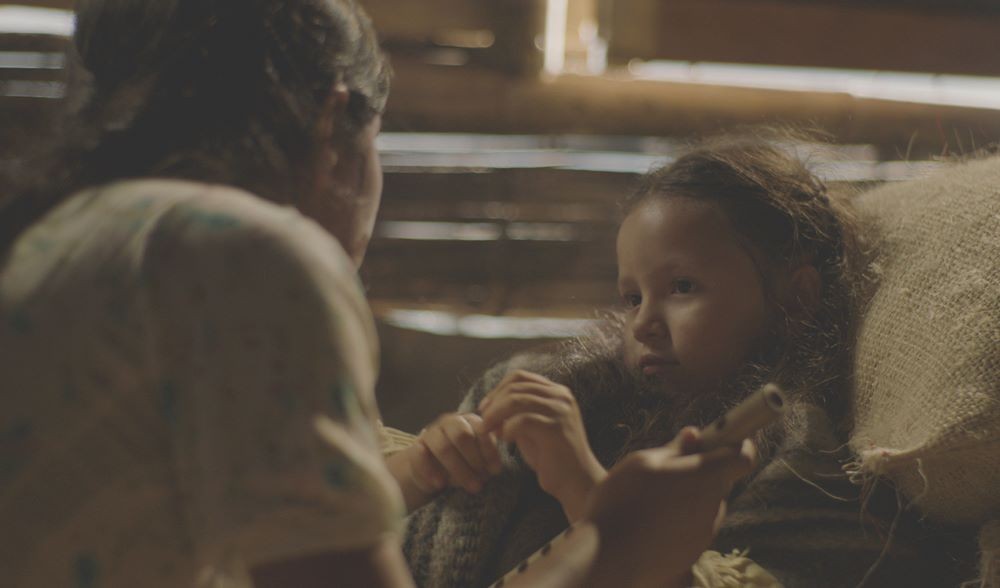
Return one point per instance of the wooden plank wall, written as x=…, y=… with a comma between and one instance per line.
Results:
x=511, y=240
x=503, y=241
x=32, y=82
x=535, y=240
x=870, y=35
x=478, y=100
x=500, y=35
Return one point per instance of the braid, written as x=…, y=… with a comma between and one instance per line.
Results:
x=225, y=91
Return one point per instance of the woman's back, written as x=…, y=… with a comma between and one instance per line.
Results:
x=158, y=414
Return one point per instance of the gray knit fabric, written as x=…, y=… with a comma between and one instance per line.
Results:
x=799, y=515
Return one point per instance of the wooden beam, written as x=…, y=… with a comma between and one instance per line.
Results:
x=476, y=100
x=815, y=34
x=64, y=4
x=480, y=261
x=509, y=185
x=500, y=35
x=406, y=19
x=571, y=298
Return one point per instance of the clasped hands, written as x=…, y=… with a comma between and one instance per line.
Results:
x=543, y=420
x=663, y=503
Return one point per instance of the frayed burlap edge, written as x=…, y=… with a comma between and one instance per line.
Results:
x=905, y=468
x=989, y=563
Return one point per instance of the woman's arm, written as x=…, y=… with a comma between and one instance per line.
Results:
x=261, y=331
x=645, y=526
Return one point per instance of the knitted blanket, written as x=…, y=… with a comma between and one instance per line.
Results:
x=799, y=515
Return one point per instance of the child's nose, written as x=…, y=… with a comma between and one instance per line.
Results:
x=649, y=325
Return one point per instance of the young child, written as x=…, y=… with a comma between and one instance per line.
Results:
x=736, y=267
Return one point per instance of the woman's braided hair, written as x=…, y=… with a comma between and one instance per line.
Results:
x=228, y=91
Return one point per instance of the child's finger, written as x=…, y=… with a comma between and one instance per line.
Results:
x=522, y=425
x=545, y=390
x=510, y=378
x=487, y=444
x=512, y=404
x=553, y=392
x=523, y=431
x=526, y=376
x=720, y=516
x=459, y=472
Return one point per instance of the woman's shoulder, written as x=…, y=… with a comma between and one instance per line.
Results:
x=208, y=207
x=198, y=219
x=225, y=256
x=254, y=255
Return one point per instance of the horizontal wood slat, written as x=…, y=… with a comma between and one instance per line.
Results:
x=498, y=34
x=487, y=248
x=521, y=186
x=429, y=98
x=570, y=298
x=42, y=43
x=869, y=35
x=489, y=260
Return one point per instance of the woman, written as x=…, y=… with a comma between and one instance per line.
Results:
x=188, y=359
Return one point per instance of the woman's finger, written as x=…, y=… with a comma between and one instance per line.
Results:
x=729, y=463
x=686, y=442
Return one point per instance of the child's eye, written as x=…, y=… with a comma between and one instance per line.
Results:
x=683, y=286
x=632, y=300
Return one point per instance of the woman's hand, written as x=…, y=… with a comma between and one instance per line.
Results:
x=454, y=450
x=542, y=418
x=661, y=507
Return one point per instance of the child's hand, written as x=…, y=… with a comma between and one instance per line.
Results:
x=454, y=450
x=542, y=418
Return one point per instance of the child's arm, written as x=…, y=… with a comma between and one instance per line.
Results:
x=451, y=451
x=542, y=418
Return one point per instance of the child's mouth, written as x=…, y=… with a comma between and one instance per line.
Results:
x=652, y=365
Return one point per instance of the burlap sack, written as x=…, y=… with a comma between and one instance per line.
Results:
x=989, y=544
x=927, y=398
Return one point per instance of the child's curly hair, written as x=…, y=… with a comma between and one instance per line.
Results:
x=785, y=216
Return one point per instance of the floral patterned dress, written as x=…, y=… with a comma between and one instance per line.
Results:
x=186, y=378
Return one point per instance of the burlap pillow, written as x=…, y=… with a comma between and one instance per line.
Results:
x=989, y=543
x=927, y=398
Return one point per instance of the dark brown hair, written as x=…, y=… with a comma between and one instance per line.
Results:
x=227, y=91
x=785, y=216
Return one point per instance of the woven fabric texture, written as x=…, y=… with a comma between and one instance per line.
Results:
x=927, y=398
x=989, y=544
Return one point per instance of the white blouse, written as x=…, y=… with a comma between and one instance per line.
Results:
x=187, y=389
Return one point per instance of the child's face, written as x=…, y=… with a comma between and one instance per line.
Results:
x=696, y=304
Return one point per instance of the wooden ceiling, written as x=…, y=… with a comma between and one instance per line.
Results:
x=467, y=66
x=474, y=66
